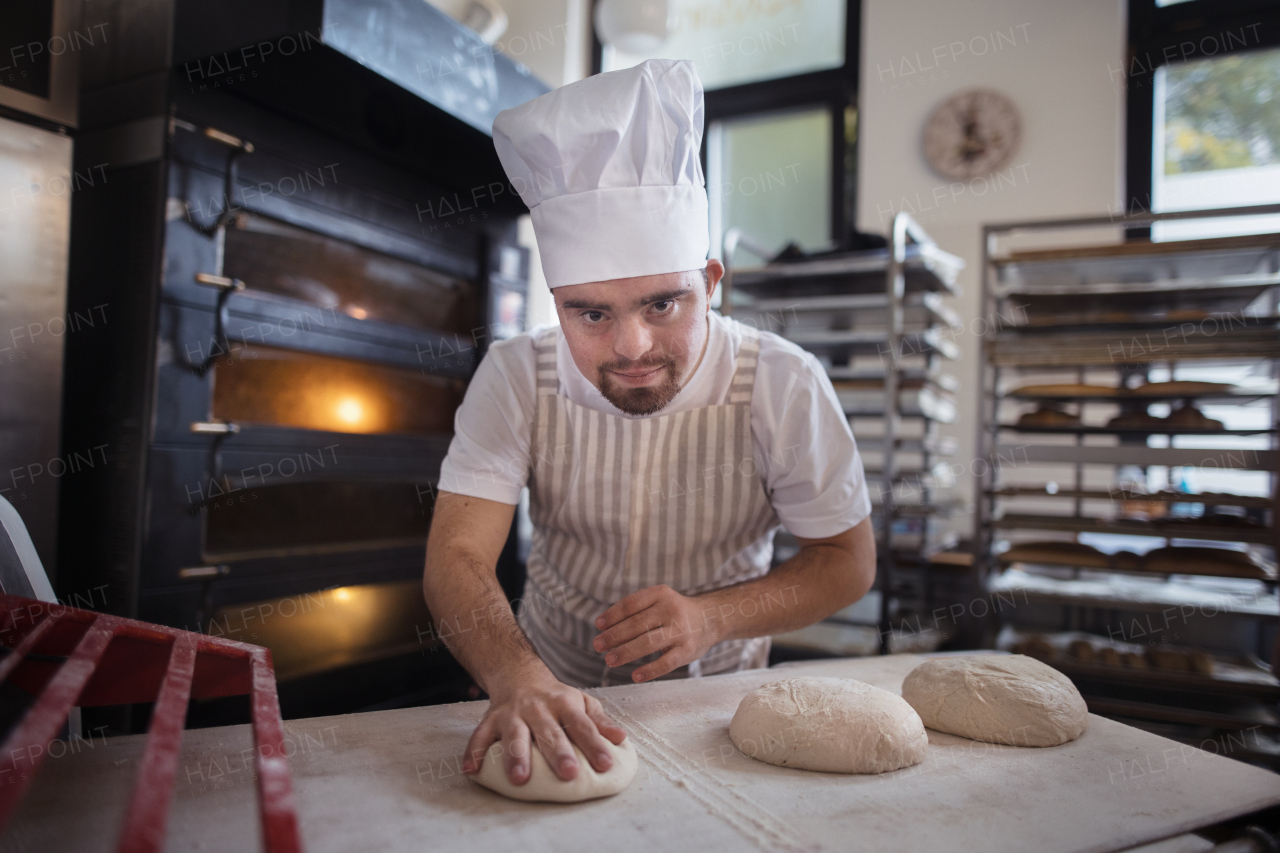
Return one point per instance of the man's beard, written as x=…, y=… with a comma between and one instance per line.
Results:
x=640, y=401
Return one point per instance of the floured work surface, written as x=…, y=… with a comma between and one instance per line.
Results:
x=390, y=781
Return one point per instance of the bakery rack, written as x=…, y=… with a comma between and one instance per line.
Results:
x=877, y=321
x=1088, y=346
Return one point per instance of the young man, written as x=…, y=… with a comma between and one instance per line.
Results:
x=662, y=443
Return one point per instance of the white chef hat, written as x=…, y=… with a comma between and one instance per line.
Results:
x=609, y=167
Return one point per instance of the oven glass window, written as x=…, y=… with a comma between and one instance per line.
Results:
x=329, y=628
x=265, y=385
x=316, y=518
x=274, y=257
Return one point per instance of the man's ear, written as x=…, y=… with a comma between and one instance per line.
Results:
x=715, y=272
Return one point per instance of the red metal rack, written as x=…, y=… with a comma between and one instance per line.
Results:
x=66, y=657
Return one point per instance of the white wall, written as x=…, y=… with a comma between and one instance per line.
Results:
x=1059, y=61
x=551, y=37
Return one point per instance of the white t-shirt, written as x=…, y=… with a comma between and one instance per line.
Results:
x=804, y=449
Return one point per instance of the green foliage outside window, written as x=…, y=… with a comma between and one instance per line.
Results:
x=1223, y=113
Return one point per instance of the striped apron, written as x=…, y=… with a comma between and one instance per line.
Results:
x=621, y=504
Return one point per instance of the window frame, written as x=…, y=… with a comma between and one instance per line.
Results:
x=1158, y=37
x=834, y=88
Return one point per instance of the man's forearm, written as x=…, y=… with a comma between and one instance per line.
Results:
x=472, y=617
x=809, y=587
x=468, y=607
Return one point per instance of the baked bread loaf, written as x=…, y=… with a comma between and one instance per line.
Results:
x=1203, y=561
x=1136, y=420
x=1190, y=417
x=1047, y=416
x=1037, y=647
x=1177, y=661
x=1126, y=561
x=1202, y=662
x=1180, y=387
x=1083, y=651
x=1067, y=389
x=1057, y=554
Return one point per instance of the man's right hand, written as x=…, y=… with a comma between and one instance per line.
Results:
x=555, y=715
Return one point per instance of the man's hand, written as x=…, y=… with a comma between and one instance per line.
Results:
x=826, y=575
x=553, y=714
x=655, y=619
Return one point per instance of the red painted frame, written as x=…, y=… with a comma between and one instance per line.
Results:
x=67, y=657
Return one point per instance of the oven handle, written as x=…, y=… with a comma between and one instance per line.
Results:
x=219, y=281
x=215, y=428
x=238, y=147
x=221, y=431
x=202, y=572
x=226, y=287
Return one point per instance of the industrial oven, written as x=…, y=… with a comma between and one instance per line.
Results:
x=302, y=261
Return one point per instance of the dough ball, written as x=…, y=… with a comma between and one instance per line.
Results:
x=834, y=724
x=1009, y=699
x=544, y=786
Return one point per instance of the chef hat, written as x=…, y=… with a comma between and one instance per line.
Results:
x=609, y=169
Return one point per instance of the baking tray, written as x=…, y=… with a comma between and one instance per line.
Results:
x=1215, y=342
x=1259, y=535
x=1207, y=498
x=867, y=311
x=926, y=268
x=1096, y=430
x=1140, y=261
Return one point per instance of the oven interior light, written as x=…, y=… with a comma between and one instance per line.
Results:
x=327, y=629
x=357, y=312
x=350, y=411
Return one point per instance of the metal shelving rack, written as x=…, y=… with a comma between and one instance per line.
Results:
x=1107, y=311
x=877, y=320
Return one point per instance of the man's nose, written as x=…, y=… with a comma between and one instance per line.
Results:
x=633, y=340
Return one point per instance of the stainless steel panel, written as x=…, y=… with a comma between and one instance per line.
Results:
x=35, y=226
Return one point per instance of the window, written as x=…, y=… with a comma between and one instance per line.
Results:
x=770, y=175
x=1216, y=142
x=781, y=80
x=734, y=43
x=1203, y=86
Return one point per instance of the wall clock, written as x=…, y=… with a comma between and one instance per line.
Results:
x=972, y=134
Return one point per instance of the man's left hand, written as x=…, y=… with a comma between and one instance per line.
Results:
x=655, y=619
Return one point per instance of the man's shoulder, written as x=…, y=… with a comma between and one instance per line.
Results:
x=511, y=363
x=517, y=351
x=523, y=343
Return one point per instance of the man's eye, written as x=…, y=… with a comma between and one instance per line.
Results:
x=663, y=306
x=593, y=316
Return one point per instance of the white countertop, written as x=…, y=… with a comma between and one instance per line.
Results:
x=389, y=781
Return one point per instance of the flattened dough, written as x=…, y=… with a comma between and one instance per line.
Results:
x=545, y=787
x=838, y=725
x=1009, y=699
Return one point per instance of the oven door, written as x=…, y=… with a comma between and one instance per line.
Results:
x=301, y=427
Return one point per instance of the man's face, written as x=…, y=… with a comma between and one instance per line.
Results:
x=638, y=339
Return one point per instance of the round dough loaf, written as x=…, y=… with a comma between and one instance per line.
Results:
x=833, y=724
x=544, y=786
x=1008, y=699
